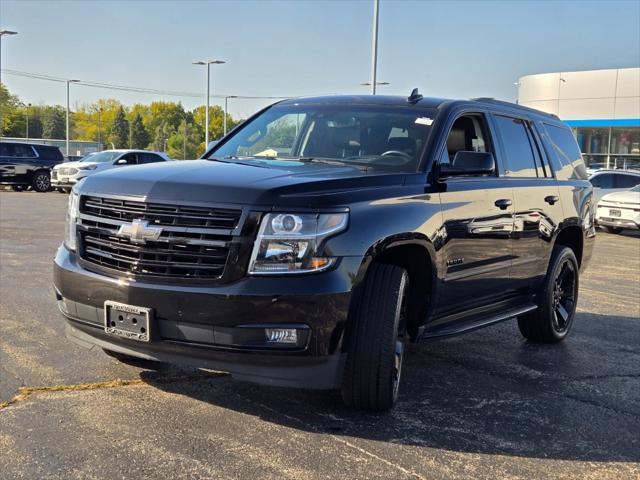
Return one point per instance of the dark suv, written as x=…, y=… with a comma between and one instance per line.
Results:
x=28, y=165
x=311, y=243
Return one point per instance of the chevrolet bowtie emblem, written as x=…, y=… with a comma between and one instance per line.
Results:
x=139, y=231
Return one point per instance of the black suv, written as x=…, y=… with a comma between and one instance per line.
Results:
x=311, y=243
x=28, y=165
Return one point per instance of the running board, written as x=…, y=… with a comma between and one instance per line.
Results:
x=448, y=330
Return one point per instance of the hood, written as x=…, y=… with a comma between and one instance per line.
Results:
x=69, y=165
x=263, y=184
x=626, y=196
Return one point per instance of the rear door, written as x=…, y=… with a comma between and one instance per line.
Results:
x=538, y=210
x=477, y=213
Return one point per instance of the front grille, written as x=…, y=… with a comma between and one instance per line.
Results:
x=195, y=242
x=67, y=171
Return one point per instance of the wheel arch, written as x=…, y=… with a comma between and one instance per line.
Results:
x=572, y=236
x=416, y=254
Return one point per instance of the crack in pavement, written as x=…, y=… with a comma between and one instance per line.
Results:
x=26, y=392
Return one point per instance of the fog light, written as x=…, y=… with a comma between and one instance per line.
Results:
x=281, y=335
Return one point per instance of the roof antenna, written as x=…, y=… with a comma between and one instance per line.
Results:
x=415, y=96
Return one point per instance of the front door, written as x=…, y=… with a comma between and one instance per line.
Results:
x=478, y=225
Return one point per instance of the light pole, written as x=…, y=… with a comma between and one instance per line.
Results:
x=2, y=34
x=100, y=127
x=67, y=143
x=374, y=46
x=208, y=63
x=517, y=85
x=225, y=112
x=27, y=129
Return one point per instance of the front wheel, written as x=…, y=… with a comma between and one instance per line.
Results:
x=17, y=188
x=557, y=300
x=41, y=182
x=376, y=341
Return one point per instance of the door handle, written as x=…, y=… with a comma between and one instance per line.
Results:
x=551, y=199
x=503, y=203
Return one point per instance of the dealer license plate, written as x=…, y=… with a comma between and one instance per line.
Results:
x=615, y=213
x=127, y=321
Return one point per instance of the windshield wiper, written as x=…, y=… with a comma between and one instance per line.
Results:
x=319, y=160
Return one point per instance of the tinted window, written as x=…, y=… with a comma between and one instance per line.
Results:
x=566, y=151
x=602, y=181
x=151, y=158
x=129, y=158
x=517, y=145
x=625, y=181
x=51, y=153
x=16, y=150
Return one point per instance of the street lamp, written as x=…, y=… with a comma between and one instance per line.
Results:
x=67, y=142
x=517, y=85
x=2, y=34
x=225, y=112
x=27, y=130
x=367, y=84
x=208, y=63
x=374, y=47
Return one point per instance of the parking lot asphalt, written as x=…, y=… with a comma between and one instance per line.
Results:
x=483, y=405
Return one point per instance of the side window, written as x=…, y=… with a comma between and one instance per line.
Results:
x=625, y=181
x=468, y=134
x=151, y=158
x=566, y=151
x=6, y=150
x=603, y=181
x=519, y=152
x=23, y=151
x=130, y=158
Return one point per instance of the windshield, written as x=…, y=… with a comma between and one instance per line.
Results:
x=100, y=157
x=372, y=136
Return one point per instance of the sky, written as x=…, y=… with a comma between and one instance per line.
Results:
x=452, y=49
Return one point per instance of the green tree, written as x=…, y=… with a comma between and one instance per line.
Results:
x=35, y=123
x=140, y=138
x=161, y=136
x=119, y=136
x=9, y=104
x=55, y=123
x=185, y=143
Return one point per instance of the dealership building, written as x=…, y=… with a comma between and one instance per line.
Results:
x=601, y=106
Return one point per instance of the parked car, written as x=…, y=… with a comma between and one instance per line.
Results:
x=620, y=210
x=66, y=175
x=318, y=238
x=610, y=181
x=27, y=165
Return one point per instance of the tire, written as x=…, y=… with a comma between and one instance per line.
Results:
x=18, y=188
x=375, y=343
x=63, y=190
x=41, y=181
x=613, y=229
x=557, y=300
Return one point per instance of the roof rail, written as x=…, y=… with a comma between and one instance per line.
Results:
x=513, y=105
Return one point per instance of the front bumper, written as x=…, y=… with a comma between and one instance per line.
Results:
x=190, y=322
x=58, y=182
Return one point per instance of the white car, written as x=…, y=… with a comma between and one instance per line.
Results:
x=65, y=175
x=609, y=181
x=619, y=210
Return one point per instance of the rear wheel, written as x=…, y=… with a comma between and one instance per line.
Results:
x=613, y=229
x=557, y=300
x=377, y=340
x=41, y=181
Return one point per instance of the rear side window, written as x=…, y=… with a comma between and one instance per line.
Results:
x=518, y=148
x=603, y=181
x=49, y=153
x=16, y=150
x=150, y=158
x=566, y=152
x=625, y=181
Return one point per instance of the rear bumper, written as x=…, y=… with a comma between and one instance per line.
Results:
x=633, y=224
x=192, y=324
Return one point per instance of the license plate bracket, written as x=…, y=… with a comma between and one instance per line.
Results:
x=615, y=213
x=127, y=321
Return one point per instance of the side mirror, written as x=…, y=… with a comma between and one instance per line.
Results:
x=121, y=161
x=470, y=163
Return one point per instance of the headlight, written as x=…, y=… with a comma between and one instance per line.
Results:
x=72, y=218
x=88, y=167
x=290, y=242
